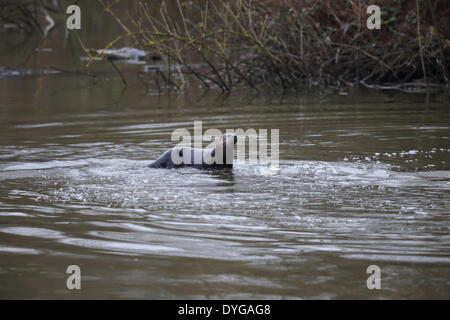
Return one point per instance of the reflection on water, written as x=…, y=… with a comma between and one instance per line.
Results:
x=360, y=184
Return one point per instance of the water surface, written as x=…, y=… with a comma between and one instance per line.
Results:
x=363, y=179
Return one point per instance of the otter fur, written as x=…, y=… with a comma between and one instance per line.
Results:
x=221, y=156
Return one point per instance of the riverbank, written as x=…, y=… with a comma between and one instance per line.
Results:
x=264, y=45
x=286, y=44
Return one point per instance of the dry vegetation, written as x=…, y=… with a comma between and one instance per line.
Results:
x=287, y=43
x=279, y=44
x=29, y=17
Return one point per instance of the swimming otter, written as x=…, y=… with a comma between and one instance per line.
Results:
x=221, y=156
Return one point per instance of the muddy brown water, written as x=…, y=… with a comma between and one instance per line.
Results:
x=363, y=180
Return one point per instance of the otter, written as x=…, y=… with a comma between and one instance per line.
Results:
x=221, y=156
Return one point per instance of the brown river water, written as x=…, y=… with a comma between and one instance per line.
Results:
x=364, y=179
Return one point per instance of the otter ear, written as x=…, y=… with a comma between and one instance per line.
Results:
x=181, y=153
x=235, y=139
x=213, y=153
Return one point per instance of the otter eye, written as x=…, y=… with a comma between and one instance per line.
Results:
x=235, y=139
x=181, y=153
x=213, y=153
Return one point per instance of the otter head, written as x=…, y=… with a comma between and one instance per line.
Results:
x=225, y=146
